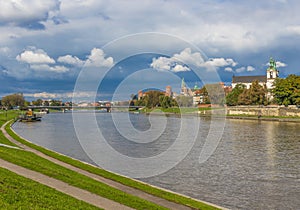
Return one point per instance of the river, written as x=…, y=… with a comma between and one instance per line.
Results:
x=256, y=164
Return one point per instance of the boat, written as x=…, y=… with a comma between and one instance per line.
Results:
x=29, y=116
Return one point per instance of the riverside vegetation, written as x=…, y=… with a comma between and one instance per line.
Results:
x=32, y=190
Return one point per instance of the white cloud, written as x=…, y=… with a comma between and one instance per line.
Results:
x=280, y=64
x=186, y=56
x=241, y=69
x=178, y=62
x=295, y=29
x=220, y=62
x=47, y=95
x=35, y=56
x=161, y=63
x=46, y=67
x=229, y=69
x=97, y=58
x=250, y=68
x=69, y=59
x=179, y=67
x=18, y=12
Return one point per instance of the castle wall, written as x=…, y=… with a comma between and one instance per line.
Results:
x=277, y=111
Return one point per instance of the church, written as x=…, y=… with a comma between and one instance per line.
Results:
x=264, y=80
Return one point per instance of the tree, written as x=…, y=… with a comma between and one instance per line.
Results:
x=13, y=100
x=287, y=91
x=166, y=101
x=233, y=97
x=38, y=102
x=55, y=103
x=152, y=98
x=255, y=95
x=184, y=101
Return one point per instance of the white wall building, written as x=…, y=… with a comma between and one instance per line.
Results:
x=271, y=74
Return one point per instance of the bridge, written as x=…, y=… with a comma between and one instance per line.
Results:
x=107, y=108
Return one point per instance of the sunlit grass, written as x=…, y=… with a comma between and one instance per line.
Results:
x=17, y=192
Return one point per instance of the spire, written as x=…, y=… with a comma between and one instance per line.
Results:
x=272, y=64
x=183, y=85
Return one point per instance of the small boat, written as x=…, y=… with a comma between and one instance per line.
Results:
x=29, y=116
x=29, y=119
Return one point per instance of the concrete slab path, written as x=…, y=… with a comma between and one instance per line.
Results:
x=75, y=192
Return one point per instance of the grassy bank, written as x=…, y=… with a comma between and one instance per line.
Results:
x=18, y=192
x=34, y=162
x=38, y=164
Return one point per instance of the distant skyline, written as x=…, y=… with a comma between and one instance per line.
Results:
x=45, y=44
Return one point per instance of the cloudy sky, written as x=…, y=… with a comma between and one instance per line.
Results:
x=45, y=45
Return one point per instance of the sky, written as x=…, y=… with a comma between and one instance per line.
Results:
x=48, y=48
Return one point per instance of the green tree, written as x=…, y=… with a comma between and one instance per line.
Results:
x=287, y=91
x=166, y=101
x=233, y=97
x=13, y=100
x=55, y=103
x=151, y=99
x=38, y=102
x=204, y=93
x=255, y=95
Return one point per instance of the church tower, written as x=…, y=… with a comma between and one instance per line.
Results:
x=272, y=73
x=184, y=90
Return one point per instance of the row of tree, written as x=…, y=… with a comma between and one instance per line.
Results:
x=154, y=99
x=14, y=100
x=255, y=95
x=18, y=100
x=286, y=92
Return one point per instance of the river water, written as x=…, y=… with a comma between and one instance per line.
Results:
x=256, y=164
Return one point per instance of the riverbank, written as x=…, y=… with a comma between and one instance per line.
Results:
x=50, y=167
x=217, y=113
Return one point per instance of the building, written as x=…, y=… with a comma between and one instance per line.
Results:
x=265, y=80
x=185, y=90
x=169, y=91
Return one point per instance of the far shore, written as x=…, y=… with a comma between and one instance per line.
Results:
x=240, y=117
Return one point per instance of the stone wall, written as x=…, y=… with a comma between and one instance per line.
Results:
x=291, y=111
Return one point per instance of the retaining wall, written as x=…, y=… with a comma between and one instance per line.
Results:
x=290, y=111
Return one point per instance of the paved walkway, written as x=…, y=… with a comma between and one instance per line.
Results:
x=117, y=185
x=64, y=187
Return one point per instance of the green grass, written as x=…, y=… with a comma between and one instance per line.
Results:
x=3, y=119
x=17, y=192
x=36, y=163
x=269, y=117
x=129, y=182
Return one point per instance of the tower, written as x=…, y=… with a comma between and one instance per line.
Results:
x=272, y=73
x=168, y=91
x=184, y=90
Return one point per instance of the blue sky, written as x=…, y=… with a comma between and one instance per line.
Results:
x=44, y=45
